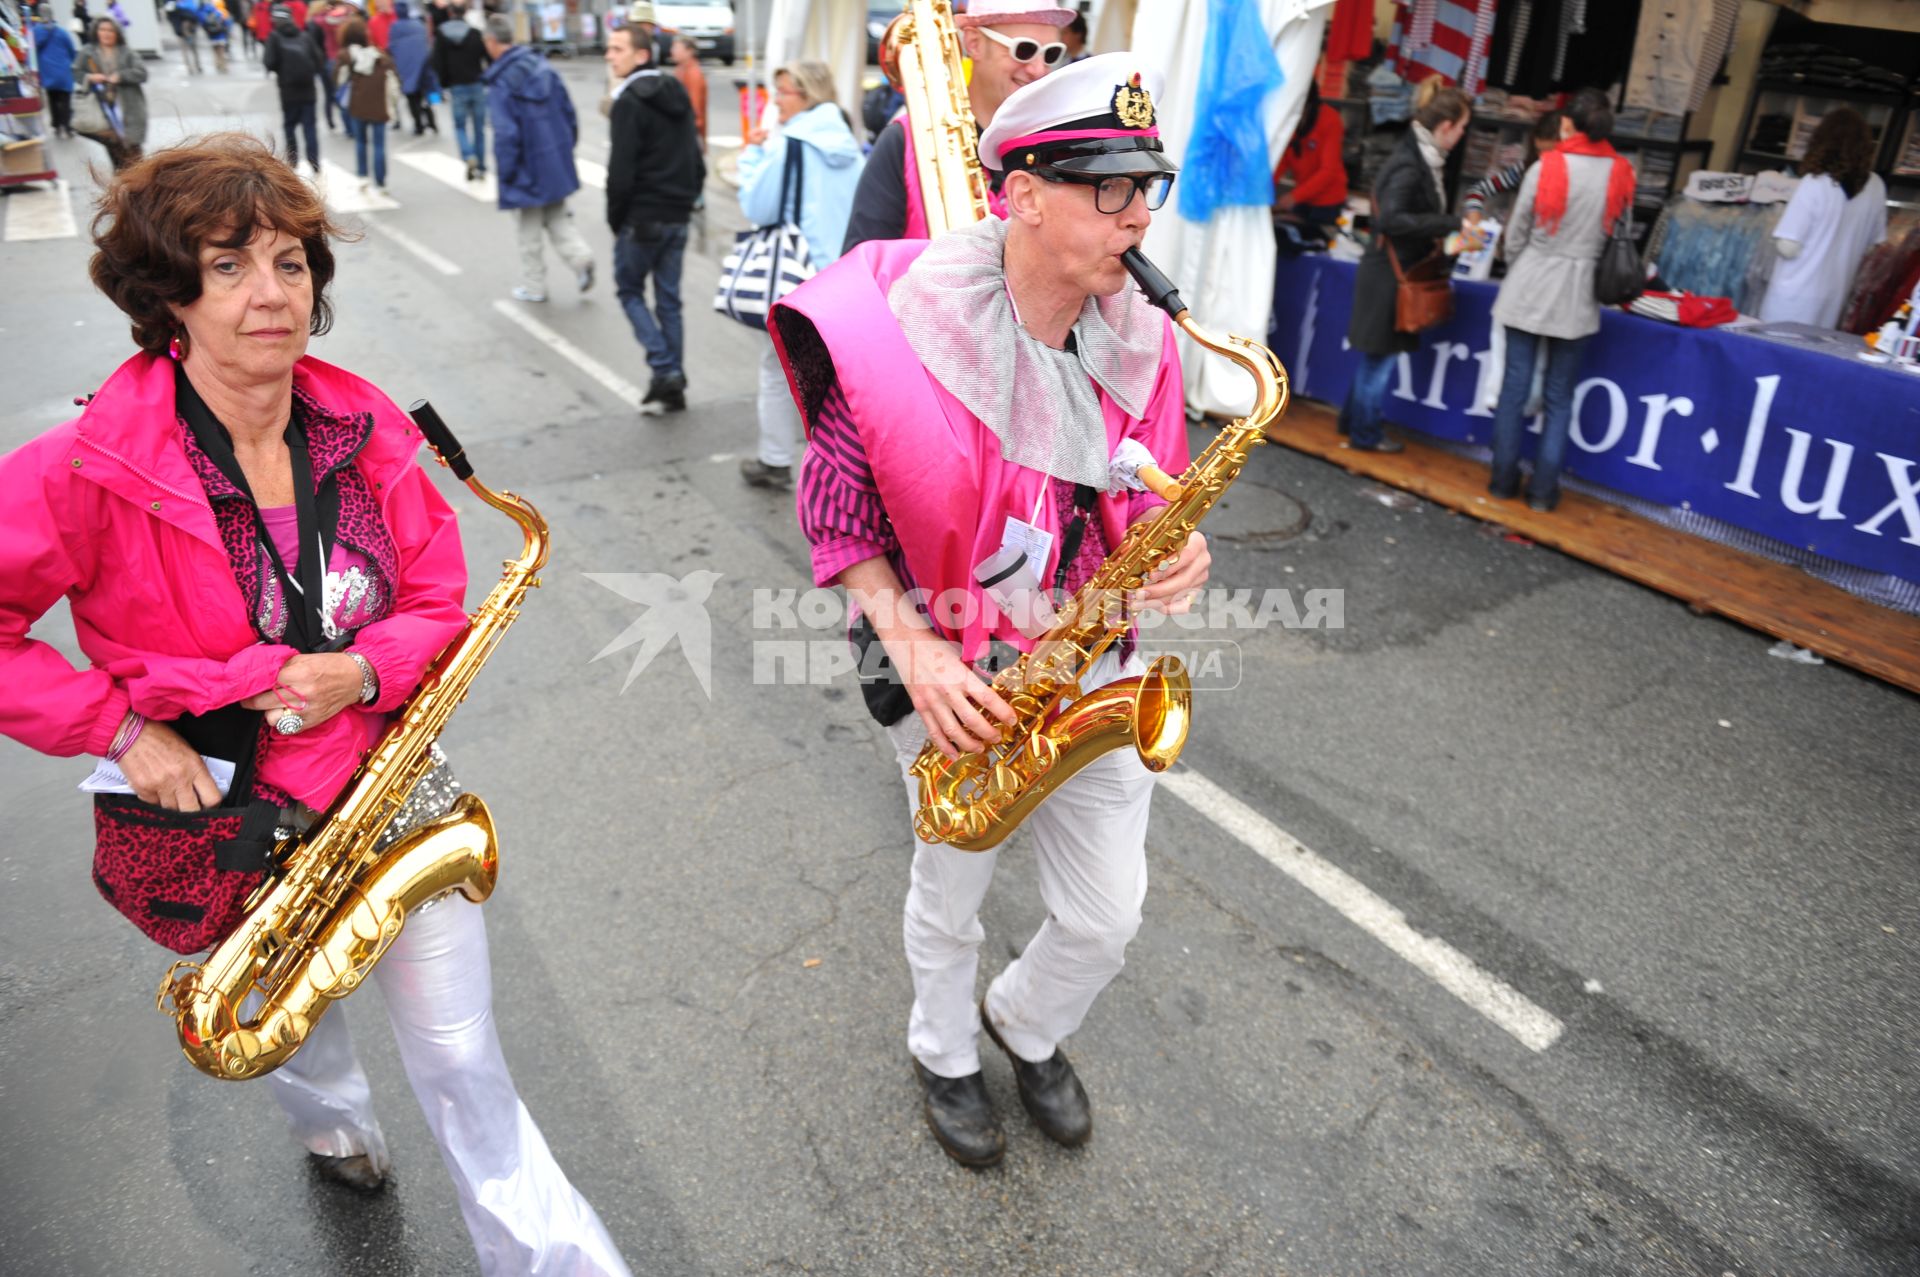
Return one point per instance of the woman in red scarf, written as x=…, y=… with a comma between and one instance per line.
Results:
x=1568, y=203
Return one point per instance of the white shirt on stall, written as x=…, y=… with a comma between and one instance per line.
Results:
x=1834, y=233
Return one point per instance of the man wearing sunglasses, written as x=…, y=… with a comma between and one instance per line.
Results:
x=970, y=401
x=1012, y=43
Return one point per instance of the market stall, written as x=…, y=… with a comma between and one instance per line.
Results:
x=1784, y=432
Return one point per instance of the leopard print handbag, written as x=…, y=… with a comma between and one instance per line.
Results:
x=182, y=877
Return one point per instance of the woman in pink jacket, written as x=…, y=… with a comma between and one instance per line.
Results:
x=187, y=516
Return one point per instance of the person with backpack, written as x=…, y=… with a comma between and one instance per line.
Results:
x=54, y=48
x=293, y=62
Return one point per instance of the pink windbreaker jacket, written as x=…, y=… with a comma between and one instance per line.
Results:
x=107, y=511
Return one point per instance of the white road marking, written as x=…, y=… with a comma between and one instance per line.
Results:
x=623, y=390
x=1533, y=1027
x=341, y=189
x=452, y=170
x=415, y=247
x=591, y=174
x=40, y=214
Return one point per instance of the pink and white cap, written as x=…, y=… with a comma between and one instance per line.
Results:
x=1000, y=13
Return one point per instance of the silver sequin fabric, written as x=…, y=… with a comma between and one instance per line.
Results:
x=433, y=796
x=1041, y=404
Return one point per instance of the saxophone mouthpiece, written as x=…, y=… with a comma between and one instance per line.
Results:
x=1158, y=288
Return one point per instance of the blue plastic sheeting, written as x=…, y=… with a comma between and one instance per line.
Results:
x=1817, y=450
x=1226, y=160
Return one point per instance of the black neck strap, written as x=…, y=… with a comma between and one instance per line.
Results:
x=305, y=594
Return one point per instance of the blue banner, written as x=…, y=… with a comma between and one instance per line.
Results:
x=1815, y=449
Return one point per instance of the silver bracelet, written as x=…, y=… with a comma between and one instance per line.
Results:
x=369, y=681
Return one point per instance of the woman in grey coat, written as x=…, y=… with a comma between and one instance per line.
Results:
x=108, y=66
x=1568, y=202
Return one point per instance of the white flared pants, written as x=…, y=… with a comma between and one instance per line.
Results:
x=525, y=1218
x=1090, y=839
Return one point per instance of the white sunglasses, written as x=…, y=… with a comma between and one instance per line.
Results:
x=1025, y=50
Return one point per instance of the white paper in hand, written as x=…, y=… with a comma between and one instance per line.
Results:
x=107, y=778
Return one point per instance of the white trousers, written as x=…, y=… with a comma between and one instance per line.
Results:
x=1090, y=840
x=779, y=418
x=526, y=1220
x=533, y=226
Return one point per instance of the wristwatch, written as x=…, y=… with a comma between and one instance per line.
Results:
x=369, y=681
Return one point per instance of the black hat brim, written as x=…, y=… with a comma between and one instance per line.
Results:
x=1107, y=162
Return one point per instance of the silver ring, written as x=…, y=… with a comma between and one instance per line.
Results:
x=289, y=723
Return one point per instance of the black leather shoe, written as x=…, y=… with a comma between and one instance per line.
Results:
x=961, y=1117
x=1051, y=1093
x=1505, y=489
x=1544, y=504
x=1385, y=445
x=355, y=1172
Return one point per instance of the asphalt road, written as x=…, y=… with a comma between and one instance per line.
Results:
x=1693, y=861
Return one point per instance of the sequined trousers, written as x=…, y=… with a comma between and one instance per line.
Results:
x=525, y=1218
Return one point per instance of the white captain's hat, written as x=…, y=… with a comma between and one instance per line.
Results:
x=1094, y=116
x=995, y=13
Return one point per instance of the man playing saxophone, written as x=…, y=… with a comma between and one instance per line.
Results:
x=1012, y=43
x=243, y=532
x=1040, y=365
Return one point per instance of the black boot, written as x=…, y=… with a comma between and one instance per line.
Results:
x=961, y=1117
x=355, y=1172
x=1050, y=1091
x=665, y=394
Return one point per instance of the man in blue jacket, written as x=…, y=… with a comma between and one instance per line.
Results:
x=54, y=50
x=534, y=131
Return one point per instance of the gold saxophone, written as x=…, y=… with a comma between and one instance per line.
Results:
x=973, y=802
x=319, y=922
x=921, y=53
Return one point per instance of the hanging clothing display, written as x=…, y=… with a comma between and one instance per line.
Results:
x=1716, y=250
x=1451, y=39
x=1350, y=32
x=1678, y=48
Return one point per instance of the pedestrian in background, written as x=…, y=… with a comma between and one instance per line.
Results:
x=1568, y=204
x=114, y=73
x=1410, y=218
x=373, y=100
x=328, y=21
x=830, y=164
x=654, y=178
x=1313, y=160
x=407, y=43
x=380, y=15
x=459, y=62
x=54, y=49
x=534, y=132
x=292, y=60
x=686, y=69
x=184, y=17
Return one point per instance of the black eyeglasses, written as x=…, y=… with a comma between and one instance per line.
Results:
x=1024, y=50
x=1112, y=192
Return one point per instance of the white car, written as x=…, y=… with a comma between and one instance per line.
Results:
x=708, y=23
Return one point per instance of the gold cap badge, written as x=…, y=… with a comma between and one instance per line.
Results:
x=1132, y=104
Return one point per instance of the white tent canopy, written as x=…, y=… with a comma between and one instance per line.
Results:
x=829, y=31
x=1223, y=266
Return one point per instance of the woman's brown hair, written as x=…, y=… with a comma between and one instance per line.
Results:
x=1436, y=102
x=1842, y=148
x=157, y=215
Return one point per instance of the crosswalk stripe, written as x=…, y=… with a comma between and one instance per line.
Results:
x=451, y=170
x=341, y=189
x=40, y=214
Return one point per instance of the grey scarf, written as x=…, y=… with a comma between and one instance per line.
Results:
x=1041, y=404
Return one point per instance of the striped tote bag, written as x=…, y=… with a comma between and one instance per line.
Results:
x=768, y=262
